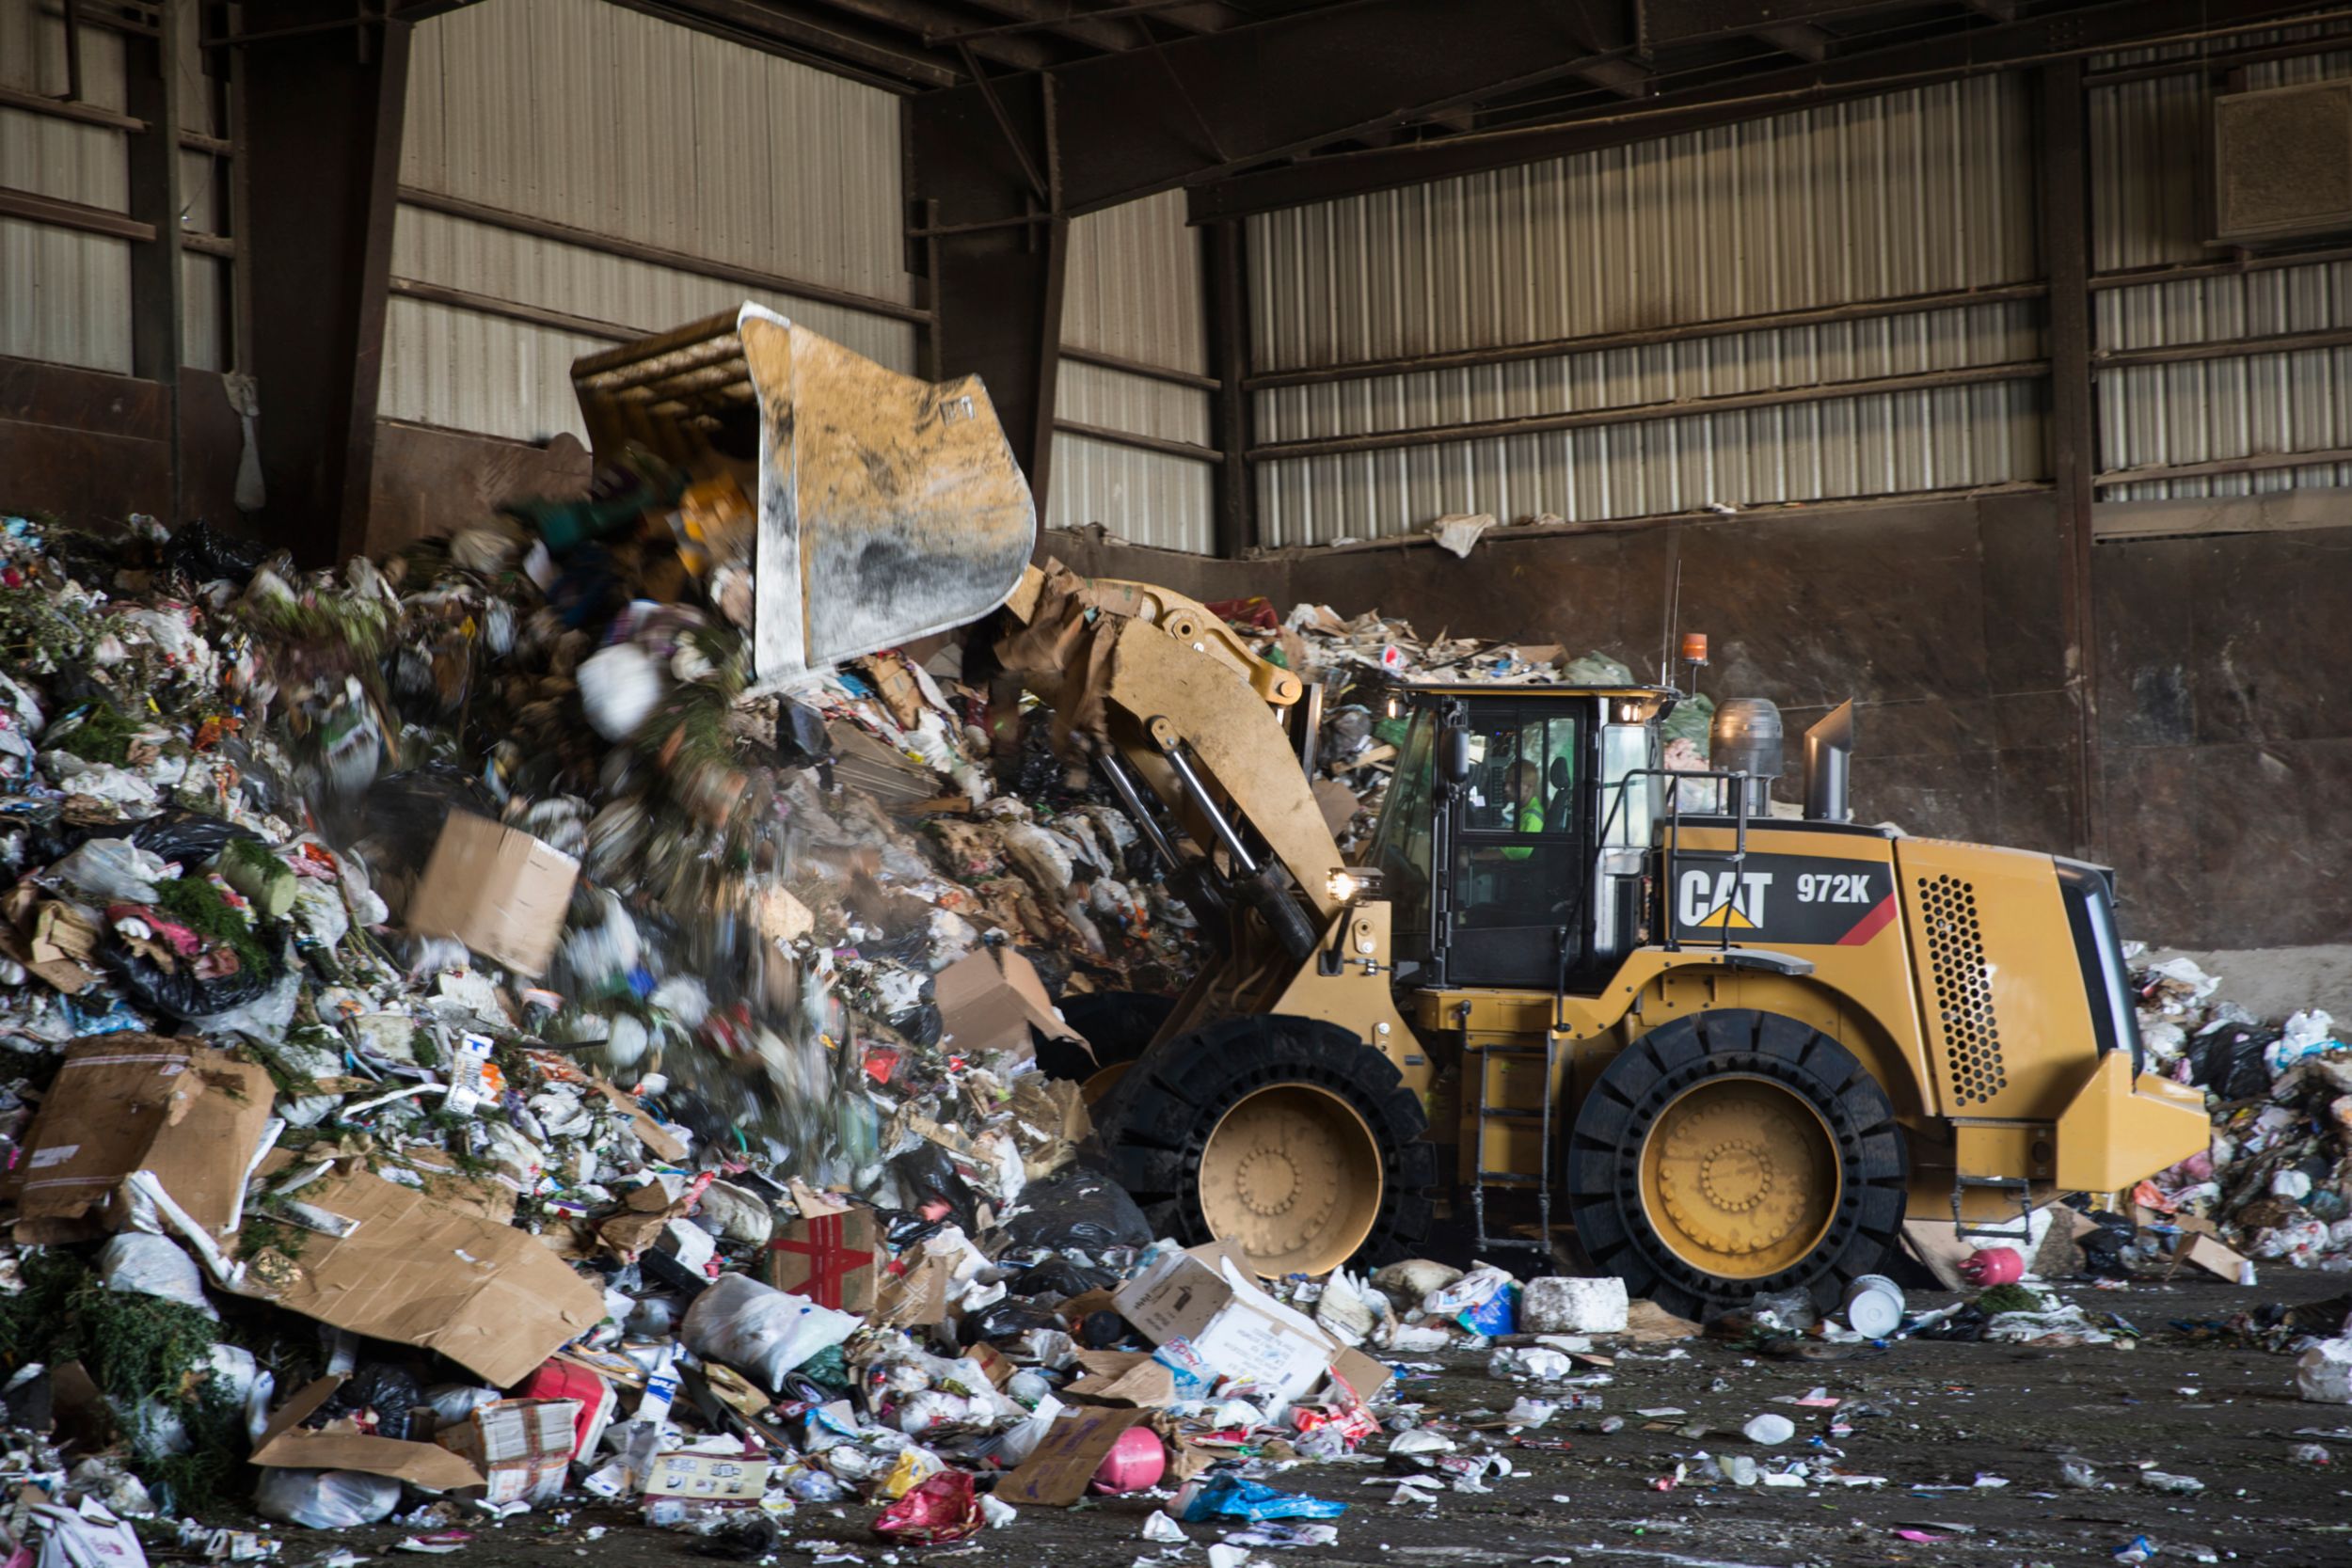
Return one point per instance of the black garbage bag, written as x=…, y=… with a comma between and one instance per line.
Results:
x=389, y=1391
x=402, y=814
x=931, y=1178
x=190, y=837
x=2103, y=1250
x=202, y=553
x=178, y=994
x=1103, y=1330
x=801, y=737
x=1963, y=1326
x=1079, y=1210
x=1007, y=1320
x=1060, y=1277
x=2229, y=1062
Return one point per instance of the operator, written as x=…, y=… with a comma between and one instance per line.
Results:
x=1526, y=785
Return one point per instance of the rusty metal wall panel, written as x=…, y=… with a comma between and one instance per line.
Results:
x=1134, y=285
x=2149, y=209
x=588, y=114
x=1907, y=193
x=1884, y=444
x=1145, y=497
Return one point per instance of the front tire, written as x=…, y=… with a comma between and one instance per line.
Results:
x=1735, y=1152
x=1287, y=1136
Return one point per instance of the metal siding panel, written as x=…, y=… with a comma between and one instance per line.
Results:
x=1114, y=400
x=1839, y=448
x=57, y=157
x=1145, y=497
x=203, y=335
x=67, y=297
x=588, y=114
x=32, y=54
x=1907, y=193
x=1135, y=285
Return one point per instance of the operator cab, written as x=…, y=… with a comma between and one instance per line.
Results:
x=1514, y=837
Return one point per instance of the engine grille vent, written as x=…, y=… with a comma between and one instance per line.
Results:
x=1964, y=989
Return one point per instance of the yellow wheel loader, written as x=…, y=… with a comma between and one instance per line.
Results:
x=1741, y=1045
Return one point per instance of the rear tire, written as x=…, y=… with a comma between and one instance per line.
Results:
x=1117, y=1027
x=1161, y=1119
x=1735, y=1152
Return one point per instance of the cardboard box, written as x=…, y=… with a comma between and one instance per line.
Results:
x=500, y=891
x=416, y=1272
x=723, y=1477
x=523, y=1448
x=990, y=1000
x=130, y=1102
x=567, y=1379
x=827, y=1258
x=286, y=1445
x=1205, y=1308
x=2212, y=1254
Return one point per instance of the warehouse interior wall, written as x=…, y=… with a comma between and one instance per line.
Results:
x=1810, y=357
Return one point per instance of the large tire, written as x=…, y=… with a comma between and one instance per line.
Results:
x=1733, y=1153
x=1159, y=1121
x=1117, y=1025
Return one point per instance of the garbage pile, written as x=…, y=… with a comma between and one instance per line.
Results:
x=449, y=957
x=2277, y=1182
x=1361, y=661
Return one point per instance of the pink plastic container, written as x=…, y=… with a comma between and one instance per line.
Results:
x=1993, y=1265
x=1135, y=1461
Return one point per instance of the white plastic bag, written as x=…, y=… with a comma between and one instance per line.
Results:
x=325, y=1499
x=153, y=1266
x=2323, y=1374
x=761, y=1332
x=114, y=869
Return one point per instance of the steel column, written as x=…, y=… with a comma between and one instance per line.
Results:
x=1227, y=276
x=158, y=303
x=2072, y=426
x=322, y=124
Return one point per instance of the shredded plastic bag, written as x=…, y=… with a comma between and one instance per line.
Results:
x=325, y=1499
x=941, y=1510
x=761, y=1332
x=1232, y=1498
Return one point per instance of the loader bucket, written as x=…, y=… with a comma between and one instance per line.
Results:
x=890, y=508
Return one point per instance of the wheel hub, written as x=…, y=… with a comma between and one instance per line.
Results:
x=1739, y=1178
x=1292, y=1176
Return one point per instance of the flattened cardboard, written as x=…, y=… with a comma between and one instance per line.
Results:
x=1056, y=1475
x=498, y=889
x=490, y=1297
x=916, y=1297
x=339, y=1446
x=1205, y=1298
x=1939, y=1244
x=130, y=1102
x=712, y=1477
x=990, y=1000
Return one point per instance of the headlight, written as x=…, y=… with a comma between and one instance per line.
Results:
x=1349, y=883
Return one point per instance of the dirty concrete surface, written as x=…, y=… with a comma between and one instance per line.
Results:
x=1931, y=1418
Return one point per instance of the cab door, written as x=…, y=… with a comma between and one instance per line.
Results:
x=1515, y=847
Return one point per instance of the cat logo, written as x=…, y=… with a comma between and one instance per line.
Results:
x=1728, y=900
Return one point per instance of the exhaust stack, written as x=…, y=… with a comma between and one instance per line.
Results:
x=1746, y=739
x=1828, y=755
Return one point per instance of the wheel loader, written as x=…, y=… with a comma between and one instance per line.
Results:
x=1738, y=1045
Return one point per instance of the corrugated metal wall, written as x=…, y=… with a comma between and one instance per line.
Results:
x=1921, y=192
x=2150, y=209
x=63, y=296
x=206, y=334
x=1134, y=291
x=588, y=115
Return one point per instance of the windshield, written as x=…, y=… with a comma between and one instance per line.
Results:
x=1400, y=842
x=1627, y=808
